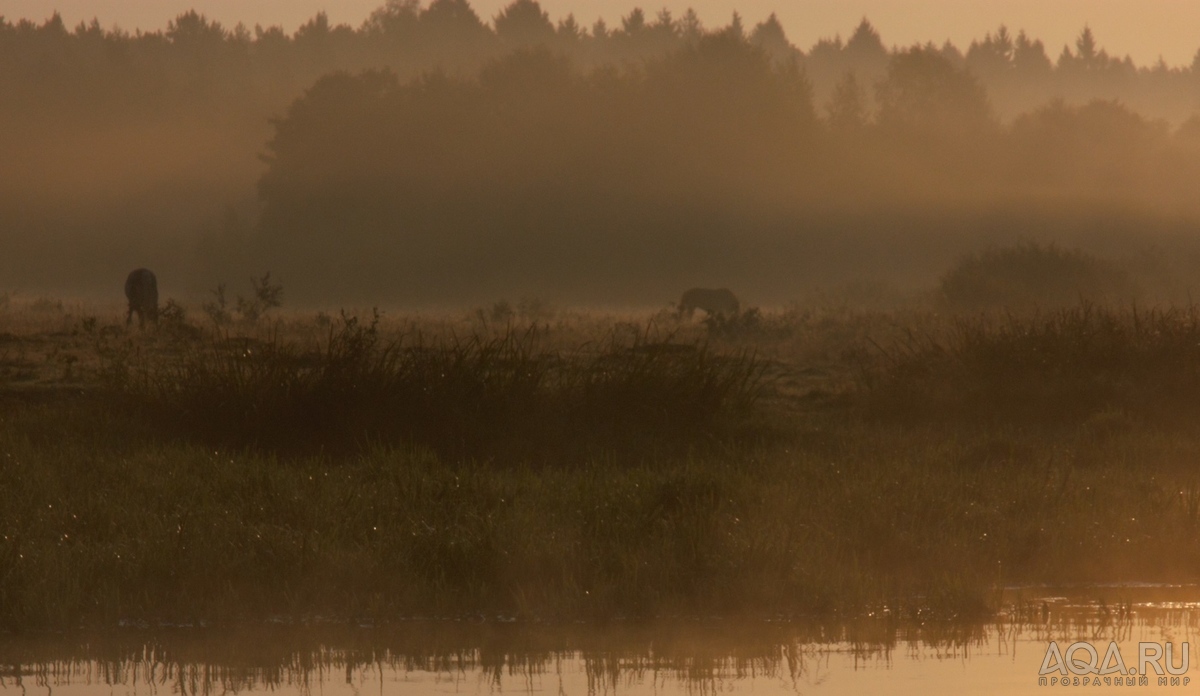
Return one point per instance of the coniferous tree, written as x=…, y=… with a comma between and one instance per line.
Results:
x=847, y=108
x=524, y=23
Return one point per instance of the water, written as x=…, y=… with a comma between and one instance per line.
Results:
x=880, y=653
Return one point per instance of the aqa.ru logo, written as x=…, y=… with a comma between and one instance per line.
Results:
x=1071, y=668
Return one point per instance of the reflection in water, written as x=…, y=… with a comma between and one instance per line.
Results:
x=875, y=653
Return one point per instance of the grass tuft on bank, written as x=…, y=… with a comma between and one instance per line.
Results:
x=1047, y=369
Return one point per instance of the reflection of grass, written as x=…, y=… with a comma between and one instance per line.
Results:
x=668, y=655
x=699, y=656
x=498, y=475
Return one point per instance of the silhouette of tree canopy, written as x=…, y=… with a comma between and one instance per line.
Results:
x=396, y=18
x=847, y=110
x=194, y=53
x=769, y=36
x=924, y=91
x=1101, y=146
x=192, y=31
x=367, y=150
x=1029, y=57
x=524, y=23
x=453, y=21
x=432, y=141
x=866, y=45
x=994, y=55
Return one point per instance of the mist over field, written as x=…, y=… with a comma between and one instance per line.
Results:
x=711, y=325
x=433, y=157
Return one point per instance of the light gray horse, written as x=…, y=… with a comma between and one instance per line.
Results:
x=718, y=302
x=141, y=289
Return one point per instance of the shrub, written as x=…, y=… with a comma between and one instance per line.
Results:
x=266, y=296
x=172, y=314
x=1032, y=276
x=218, y=308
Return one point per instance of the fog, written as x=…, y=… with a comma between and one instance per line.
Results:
x=429, y=157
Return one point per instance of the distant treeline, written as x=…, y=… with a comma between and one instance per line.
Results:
x=543, y=175
x=197, y=60
x=432, y=155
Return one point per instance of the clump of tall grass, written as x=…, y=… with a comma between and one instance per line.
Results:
x=750, y=324
x=478, y=395
x=1057, y=367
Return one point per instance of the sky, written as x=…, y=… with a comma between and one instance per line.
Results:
x=1142, y=29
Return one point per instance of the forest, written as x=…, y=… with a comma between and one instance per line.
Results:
x=435, y=156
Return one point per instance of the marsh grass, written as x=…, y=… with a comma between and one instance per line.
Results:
x=842, y=519
x=353, y=470
x=1067, y=366
x=480, y=395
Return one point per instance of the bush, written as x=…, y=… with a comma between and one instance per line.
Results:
x=1032, y=276
x=266, y=296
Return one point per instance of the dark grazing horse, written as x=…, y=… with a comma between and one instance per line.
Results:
x=720, y=301
x=141, y=289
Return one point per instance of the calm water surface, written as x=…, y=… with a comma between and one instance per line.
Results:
x=874, y=654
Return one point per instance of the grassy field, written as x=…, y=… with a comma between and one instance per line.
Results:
x=550, y=465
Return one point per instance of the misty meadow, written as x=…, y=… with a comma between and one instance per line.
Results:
x=665, y=320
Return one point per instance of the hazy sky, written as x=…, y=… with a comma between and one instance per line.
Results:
x=1144, y=29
